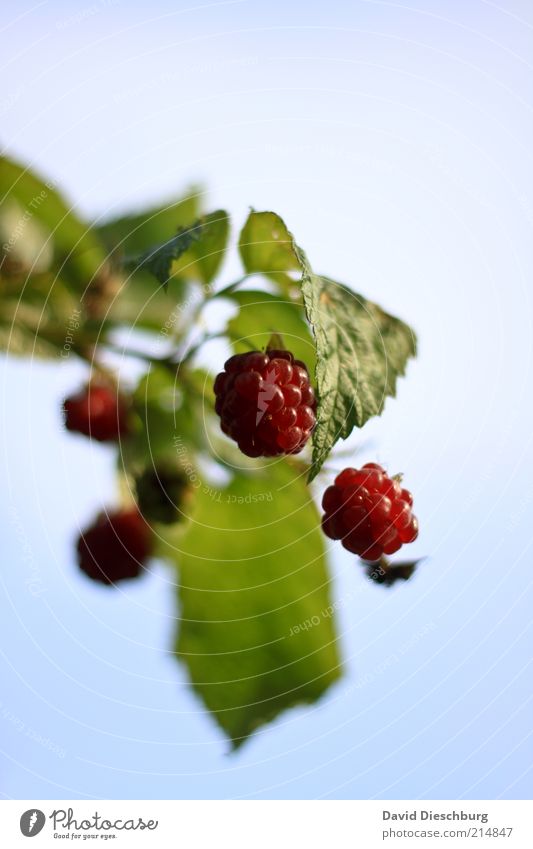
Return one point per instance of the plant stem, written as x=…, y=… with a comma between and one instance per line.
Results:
x=227, y=290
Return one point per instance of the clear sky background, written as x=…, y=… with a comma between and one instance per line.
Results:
x=395, y=140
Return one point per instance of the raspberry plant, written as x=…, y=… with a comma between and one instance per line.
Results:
x=307, y=360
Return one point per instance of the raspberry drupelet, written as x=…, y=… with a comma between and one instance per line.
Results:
x=266, y=403
x=369, y=512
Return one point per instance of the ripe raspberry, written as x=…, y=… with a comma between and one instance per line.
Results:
x=161, y=493
x=266, y=403
x=369, y=512
x=98, y=411
x=114, y=547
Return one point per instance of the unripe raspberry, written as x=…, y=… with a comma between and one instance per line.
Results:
x=266, y=403
x=98, y=411
x=369, y=512
x=162, y=493
x=114, y=547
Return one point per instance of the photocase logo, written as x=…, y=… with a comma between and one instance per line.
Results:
x=32, y=822
x=265, y=396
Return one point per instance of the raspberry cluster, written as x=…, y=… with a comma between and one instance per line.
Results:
x=266, y=403
x=114, y=547
x=99, y=411
x=369, y=512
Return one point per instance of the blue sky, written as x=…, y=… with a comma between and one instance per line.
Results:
x=395, y=141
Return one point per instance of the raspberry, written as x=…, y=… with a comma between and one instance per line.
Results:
x=114, y=547
x=266, y=403
x=161, y=493
x=98, y=411
x=369, y=512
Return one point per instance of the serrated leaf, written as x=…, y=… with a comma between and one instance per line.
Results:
x=361, y=351
x=257, y=632
x=204, y=257
x=267, y=247
x=262, y=314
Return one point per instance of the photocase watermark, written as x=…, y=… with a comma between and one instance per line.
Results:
x=83, y=14
x=32, y=822
x=181, y=309
x=186, y=464
x=394, y=657
x=9, y=101
x=521, y=509
x=66, y=825
x=326, y=613
x=66, y=820
x=19, y=227
x=438, y=158
x=216, y=494
x=525, y=205
x=173, y=77
x=73, y=324
x=28, y=731
x=33, y=580
x=491, y=468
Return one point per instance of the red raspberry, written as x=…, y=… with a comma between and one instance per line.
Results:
x=98, y=411
x=114, y=547
x=266, y=403
x=369, y=512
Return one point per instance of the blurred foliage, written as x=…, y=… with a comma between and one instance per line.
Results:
x=70, y=244
x=206, y=254
x=254, y=593
x=136, y=233
x=257, y=633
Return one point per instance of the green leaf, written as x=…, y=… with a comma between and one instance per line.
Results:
x=46, y=321
x=19, y=341
x=204, y=257
x=257, y=632
x=138, y=303
x=361, y=351
x=262, y=314
x=171, y=408
x=141, y=305
x=134, y=234
x=26, y=243
x=158, y=260
x=195, y=252
x=267, y=247
x=35, y=218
